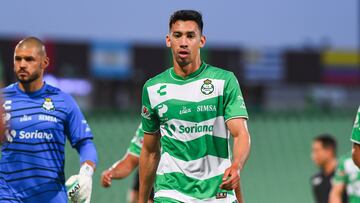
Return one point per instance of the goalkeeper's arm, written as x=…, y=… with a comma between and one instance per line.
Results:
x=79, y=186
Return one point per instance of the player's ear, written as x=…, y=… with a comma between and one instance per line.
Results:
x=202, y=41
x=168, y=43
x=45, y=62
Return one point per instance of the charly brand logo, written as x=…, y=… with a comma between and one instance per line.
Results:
x=86, y=125
x=241, y=99
x=207, y=88
x=48, y=104
x=7, y=107
x=161, y=91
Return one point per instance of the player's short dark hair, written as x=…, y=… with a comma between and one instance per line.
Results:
x=327, y=141
x=186, y=15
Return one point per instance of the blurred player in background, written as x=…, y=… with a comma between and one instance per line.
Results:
x=123, y=168
x=190, y=109
x=324, y=156
x=39, y=118
x=355, y=138
x=346, y=181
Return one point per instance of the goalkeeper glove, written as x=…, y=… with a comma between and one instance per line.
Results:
x=79, y=186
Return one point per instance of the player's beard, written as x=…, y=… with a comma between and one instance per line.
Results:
x=32, y=77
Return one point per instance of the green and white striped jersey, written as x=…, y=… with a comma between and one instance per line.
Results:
x=136, y=142
x=355, y=135
x=348, y=174
x=191, y=114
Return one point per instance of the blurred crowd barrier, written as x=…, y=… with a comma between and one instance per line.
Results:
x=110, y=74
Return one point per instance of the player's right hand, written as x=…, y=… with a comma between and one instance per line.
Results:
x=231, y=178
x=106, y=178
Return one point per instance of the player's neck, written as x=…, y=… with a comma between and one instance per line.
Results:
x=184, y=71
x=31, y=86
x=329, y=166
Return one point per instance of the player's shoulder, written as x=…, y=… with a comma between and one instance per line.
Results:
x=159, y=78
x=52, y=90
x=217, y=72
x=8, y=90
x=57, y=92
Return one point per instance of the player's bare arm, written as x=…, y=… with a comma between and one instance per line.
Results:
x=241, y=150
x=336, y=192
x=356, y=154
x=238, y=194
x=120, y=169
x=149, y=160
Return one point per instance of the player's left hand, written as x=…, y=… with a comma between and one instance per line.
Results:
x=79, y=186
x=231, y=178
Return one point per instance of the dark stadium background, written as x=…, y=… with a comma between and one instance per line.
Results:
x=298, y=65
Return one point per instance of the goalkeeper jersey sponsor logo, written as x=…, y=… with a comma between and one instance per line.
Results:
x=25, y=118
x=35, y=135
x=47, y=118
x=10, y=135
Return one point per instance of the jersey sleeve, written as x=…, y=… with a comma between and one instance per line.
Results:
x=150, y=120
x=355, y=135
x=76, y=127
x=233, y=100
x=136, y=142
x=340, y=176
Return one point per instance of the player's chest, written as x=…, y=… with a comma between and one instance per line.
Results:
x=41, y=113
x=193, y=102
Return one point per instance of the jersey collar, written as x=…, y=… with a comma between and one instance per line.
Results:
x=31, y=93
x=192, y=75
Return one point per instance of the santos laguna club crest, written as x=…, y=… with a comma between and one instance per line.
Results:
x=48, y=104
x=207, y=88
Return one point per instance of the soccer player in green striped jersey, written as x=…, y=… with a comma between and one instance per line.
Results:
x=346, y=179
x=124, y=167
x=189, y=112
x=355, y=138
